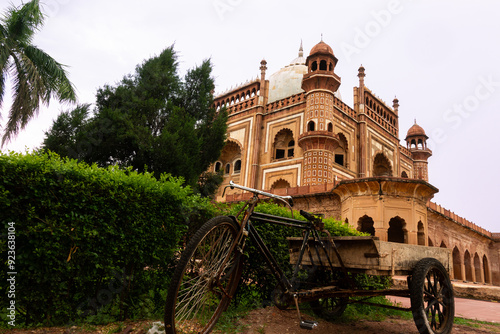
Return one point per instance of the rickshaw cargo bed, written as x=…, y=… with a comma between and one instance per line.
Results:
x=369, y=255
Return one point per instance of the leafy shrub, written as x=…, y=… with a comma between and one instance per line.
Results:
x=89, y=240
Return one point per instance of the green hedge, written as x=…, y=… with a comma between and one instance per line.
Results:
x=89, y=242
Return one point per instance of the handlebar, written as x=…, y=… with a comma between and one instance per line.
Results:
x=287, y=199
x=307, y=215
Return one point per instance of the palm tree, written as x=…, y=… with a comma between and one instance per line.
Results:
x=36, y=76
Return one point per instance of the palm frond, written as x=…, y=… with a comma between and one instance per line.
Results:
x=27, y=88
x=22, y=23
x=4, y=62
x=18, y=108
x=35, y=75
x=53, y=74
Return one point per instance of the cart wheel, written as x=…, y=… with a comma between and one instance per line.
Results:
x=280, y=299
x=431, y=294
x=329, y=309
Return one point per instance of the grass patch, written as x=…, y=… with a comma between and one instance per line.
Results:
x=476, y=323
x=230, y=320
x=356, y=311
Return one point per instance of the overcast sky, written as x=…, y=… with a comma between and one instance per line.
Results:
x=439, y=58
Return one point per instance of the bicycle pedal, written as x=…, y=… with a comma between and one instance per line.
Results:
x=308, y=324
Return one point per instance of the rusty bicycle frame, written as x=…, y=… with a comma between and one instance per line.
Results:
x=311, y=231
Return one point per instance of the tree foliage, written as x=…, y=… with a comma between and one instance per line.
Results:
x=35, y=75
x=151, y=120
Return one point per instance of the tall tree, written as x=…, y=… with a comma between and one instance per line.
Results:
x=35, y=75
x=152, y=119
x=66, y=132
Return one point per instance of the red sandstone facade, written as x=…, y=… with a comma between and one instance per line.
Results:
x=292, y=134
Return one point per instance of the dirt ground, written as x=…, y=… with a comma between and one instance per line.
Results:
x=271, y=320
x=274, y=321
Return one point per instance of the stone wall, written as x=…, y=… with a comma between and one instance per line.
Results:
x=476, y=256
x=323, y=203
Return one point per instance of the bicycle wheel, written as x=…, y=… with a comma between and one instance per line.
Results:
x=431, y=295
x=204, y=280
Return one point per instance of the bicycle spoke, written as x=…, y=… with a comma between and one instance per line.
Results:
x=206, y=280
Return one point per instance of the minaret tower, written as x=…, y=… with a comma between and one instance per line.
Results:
x=318, y=141
x=416, y=142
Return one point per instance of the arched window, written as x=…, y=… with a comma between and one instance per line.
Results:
x=284, y=144
x=280, y=184
x=365, y=224
x=486, y=270
x=231, y=153
x=330, y=127
x=341, y=151
x=420, y=144
x=404, y=175
x=396, y=231
x=477, y=268
x=468, y=266
x=218, y=166
x=314, y=66
x=237, y=166
x=291, y=148
x=420, y=233
x=381, y=166
x=311, y=126
x=322, y=65
x=457, y=264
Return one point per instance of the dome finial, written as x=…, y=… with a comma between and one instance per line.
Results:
x=322, y=37
x=395, y=105
x=301, y=50
x=263, y=69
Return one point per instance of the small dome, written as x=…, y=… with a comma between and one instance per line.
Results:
x=286, y=82
x=416, y=130
x=300, y=60
x=321, y=47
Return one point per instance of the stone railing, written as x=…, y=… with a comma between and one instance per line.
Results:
x=240, y=98
x=405, y=151
x=462, y=221
x=381, y=121
x=344, y=107
x=288, y=101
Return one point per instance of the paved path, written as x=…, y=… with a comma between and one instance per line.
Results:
x=466, y=308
